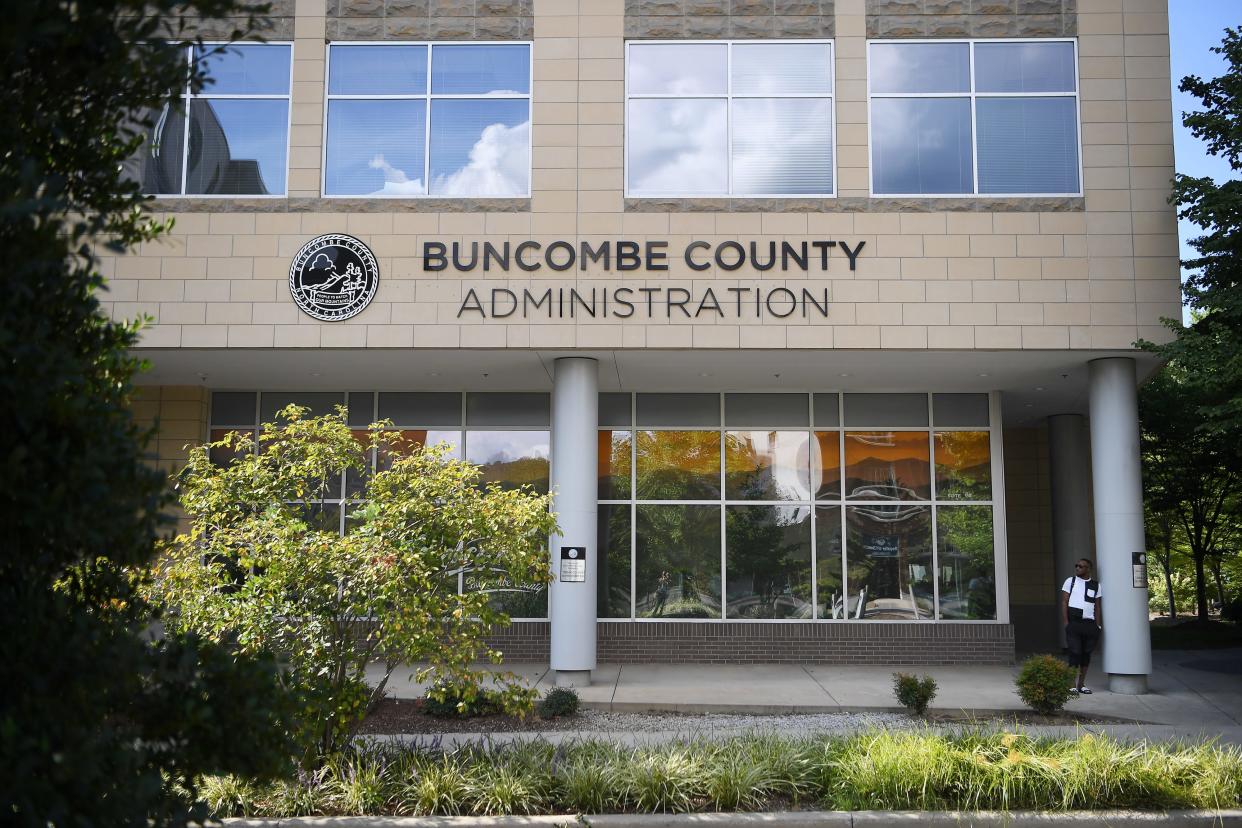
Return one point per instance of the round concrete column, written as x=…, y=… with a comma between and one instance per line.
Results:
x=571, y=605
x=1071, y=517
x=1118, y=487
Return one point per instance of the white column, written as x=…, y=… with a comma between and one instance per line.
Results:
x=1118, y=487
x=571, y=605
x=1071, y=517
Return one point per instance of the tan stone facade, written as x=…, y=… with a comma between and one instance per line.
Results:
x=1094, y=274
x=1009, y=294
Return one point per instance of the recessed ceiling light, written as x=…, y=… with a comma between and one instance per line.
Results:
x=704, y=374
x=435, y=373
x=983, y=375
x=1039, y=388
x=1030, y=405
x=845, y=375
x=315, y=374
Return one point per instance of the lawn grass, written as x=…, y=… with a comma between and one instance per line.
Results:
x=887, y=770
x=1192, y=635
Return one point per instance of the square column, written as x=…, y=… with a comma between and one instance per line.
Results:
x=1117, y=484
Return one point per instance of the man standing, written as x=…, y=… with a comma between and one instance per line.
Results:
x=1084, y=619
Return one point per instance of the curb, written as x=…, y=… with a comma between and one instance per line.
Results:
x=784, y=819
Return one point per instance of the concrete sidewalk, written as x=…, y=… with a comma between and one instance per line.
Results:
x=1194, y=694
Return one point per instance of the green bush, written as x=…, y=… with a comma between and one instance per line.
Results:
x=914, y=692
x=1232, y=611
x=560, y=701
x=466, y=702
x=1044, y=683
x=881, y=770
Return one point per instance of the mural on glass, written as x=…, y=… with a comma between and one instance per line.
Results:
x=889, y=555
x=887, y=465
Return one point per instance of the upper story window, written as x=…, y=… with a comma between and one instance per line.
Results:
x=442, y=119
x=729, y=119
x=982, y=117
x=230, y=139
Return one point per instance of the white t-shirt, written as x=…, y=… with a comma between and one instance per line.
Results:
x=1078, y=595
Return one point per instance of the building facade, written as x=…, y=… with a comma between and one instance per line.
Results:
x=818, y=317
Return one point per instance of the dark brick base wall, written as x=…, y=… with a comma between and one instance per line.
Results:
x=742, y=643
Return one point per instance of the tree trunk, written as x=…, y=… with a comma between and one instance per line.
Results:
x=1201, y=586
x=1167, y=565
x=1220, y=587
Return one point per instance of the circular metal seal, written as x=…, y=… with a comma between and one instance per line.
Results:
x=333, y=277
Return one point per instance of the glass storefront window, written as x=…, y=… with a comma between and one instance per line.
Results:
x=677, y=561
x=828, y=557
x=768, y=561
x=826, y=467
x=767, y=465
x=613, y=548
x=678, y=465
x=963, y=465
x=887, y=465
x=223, y=456
x=889, y=554
x=511, y=458
x=614, y=465
x=966, y=558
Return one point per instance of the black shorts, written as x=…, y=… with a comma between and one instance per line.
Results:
x=1080, y=640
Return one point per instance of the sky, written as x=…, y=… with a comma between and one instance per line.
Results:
x=1194, y=27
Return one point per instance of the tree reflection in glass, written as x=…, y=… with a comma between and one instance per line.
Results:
x=963, y=465
x=767, y=465
x=614, y=465
x=678, y=465
x=613, y=549
x=967, y=562
x=887, y=465
x=889, y=551
x=768, y=561
x=511, y=458
x=830, y=595
x=678, y=561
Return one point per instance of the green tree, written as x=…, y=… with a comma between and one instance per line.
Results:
x=260, y=565
x=99, y=723
x=1210, y=348
x=1191, y=475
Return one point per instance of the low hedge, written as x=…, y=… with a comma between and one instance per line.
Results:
x=889, y=770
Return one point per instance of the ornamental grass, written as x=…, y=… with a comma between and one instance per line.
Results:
x=881, y=770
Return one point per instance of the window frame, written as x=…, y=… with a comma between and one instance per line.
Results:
x=728, y=98
x=428, y=97
x=186, y=97
x=972, y=95
x=839, y=504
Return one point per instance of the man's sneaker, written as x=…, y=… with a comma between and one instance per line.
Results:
x=1073, y=691
x=1086, y=691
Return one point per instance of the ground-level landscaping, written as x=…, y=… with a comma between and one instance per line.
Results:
x=877, y=770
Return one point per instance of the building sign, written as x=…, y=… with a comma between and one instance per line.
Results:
x=333, y=277
x=573, y=564
x=622, y=256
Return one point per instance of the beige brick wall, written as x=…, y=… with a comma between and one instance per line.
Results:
x=181, y=413
x=1098, y=273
